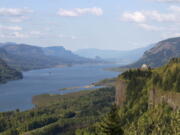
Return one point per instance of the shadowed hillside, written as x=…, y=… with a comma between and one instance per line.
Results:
x=7, y=73
x=147, y=103
x=160, y=54
x=28, y=57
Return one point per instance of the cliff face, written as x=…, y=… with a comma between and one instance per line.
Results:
x=157, y=97
x=158, y=86
x=120, y=96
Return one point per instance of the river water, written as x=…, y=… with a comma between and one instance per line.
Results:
x=18, y=94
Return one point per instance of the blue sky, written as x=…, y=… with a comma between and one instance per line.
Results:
x=77, y=24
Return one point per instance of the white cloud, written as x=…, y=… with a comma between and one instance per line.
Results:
x=36, y=33
x=18, y=19
x=150, y=27
x=15, y=34
x=174, y=8
x=14, y=11
x=170, y=35
x=10, y=28
x=143, y=16
x=80, y=11
x=160, y=17
x=19, y=35
x=14, y=14
x=154, y=20
x=67, y=37
x=134, y=16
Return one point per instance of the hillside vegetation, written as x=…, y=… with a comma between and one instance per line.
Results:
x=137, y=115
x=7, y=73
x=28, y=57
x=58, y=114
x=148, y=108
x=160, y=54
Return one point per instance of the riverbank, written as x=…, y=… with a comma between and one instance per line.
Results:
x=59, y=114
x=50, y=81
x=78, y=87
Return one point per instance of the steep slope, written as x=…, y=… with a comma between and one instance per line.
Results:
x=160, y=54
x=114, y=55
x=61, y=52
x=28, y=57
x=147, y=103
x=7, y=73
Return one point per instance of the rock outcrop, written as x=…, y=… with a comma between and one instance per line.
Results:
x=157, y=97
x=120, y=96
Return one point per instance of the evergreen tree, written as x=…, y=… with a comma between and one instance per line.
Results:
x=111, y=125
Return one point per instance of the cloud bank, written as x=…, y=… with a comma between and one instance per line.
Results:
x=80, y=11
x=15, y=14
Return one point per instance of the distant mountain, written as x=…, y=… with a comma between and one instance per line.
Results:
x=7, y=73
x=160, y=54
x=28, y=57
x=61, y=52
x=127, y=56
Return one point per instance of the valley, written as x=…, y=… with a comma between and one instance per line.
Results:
x=26, y=57
x=94, y=112
x=50, y=81
x=89, y=67
x=78, y=100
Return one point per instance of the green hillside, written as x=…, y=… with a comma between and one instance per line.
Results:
x=151, y=106
x=57, y=114
x=25, y=57
x=144, y=113
x=7, y=73
x=160, y=54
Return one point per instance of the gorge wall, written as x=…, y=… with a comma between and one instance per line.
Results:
x=120, y=96
x=155, y=96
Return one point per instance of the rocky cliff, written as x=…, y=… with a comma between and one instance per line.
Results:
x=120, y=96
x=160, y=85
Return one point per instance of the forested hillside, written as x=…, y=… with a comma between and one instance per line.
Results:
x=7, y=73
x=58, y=115
x=160, y=54
x=151, y=106
x=28, y=57
x=144, y=113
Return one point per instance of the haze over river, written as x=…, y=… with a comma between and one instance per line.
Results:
x=18, y=94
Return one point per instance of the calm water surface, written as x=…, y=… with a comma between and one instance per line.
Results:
x=18, y=94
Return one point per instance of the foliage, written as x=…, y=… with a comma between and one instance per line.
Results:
x=7, y=73
x=168, y=77
x=89, y=113
x=59, y=114
x=136, y=117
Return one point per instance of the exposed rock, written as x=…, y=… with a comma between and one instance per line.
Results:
x=157, y=97
x=120, y=96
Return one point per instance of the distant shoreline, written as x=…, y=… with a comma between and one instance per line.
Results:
x=79, y=87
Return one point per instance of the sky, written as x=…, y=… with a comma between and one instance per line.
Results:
x=79, y=24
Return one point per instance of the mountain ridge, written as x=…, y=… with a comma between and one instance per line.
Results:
x=160, y=54
x=27, y=57
x=7, y=73
x=124, y=56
